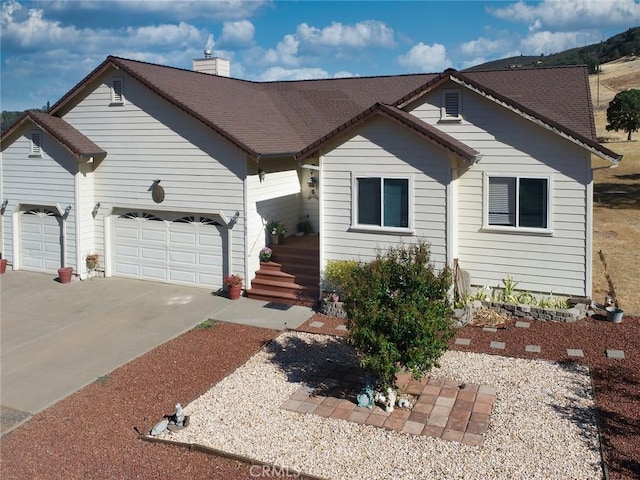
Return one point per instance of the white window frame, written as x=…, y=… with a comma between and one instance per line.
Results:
x=444, y=117
x=35, y=145
x=517, y=229
x=355, y=226
x=117, y=98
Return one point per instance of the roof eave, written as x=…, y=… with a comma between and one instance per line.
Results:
x=242, y=146
x=554, y=127
x=440, y=138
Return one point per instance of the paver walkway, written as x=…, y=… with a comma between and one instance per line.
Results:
x=440, y=408
x=340, y=329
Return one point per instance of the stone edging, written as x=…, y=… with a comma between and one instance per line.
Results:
x=528, y=312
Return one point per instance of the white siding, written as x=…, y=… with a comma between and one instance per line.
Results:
x=513, y=145
x=33, y=181
x=147, y=139
x=382, y=147
x=276, y=198
x=84, y=214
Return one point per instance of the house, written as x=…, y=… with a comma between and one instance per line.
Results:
x=172, y=175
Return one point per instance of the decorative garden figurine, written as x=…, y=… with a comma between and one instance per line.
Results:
x=391, y=400
x=179, y=415
x=366, y=397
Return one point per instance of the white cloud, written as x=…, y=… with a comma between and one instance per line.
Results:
x=549, y=42
x=237, y=34
x=28, y=29
x=286, y=53
x=425, y=58
x=571, y=14
x=369, y=33
x=279, y=73
x=181, y=35
x=484, y=46
x=344, y=74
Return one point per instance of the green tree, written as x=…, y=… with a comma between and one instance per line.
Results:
x=397, y=310
x=623, y=112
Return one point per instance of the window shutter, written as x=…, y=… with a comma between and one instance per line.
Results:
x=452, y=104
x=502, y=201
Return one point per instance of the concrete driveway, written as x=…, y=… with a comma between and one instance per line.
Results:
x=57, y=338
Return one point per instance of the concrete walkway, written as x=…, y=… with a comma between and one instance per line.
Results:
x=57, y=338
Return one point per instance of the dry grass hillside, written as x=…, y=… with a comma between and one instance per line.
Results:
x=616, y=231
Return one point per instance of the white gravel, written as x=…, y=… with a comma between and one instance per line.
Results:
x=542, y=425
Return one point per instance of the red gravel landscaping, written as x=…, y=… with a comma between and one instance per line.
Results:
x=91, y=434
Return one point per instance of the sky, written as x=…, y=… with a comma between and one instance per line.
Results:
x=48, y=46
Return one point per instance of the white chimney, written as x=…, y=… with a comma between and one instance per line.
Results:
x=212, y=65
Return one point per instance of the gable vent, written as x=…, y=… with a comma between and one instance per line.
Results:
x=452, y=104
x=36, y=143
x=117, y=91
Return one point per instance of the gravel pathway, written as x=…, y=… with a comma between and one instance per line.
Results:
x=542, y=424
x=90, y=434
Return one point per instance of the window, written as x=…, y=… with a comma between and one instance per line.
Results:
x=36, y=143
x=117, y=91
x=451, y=105
x=382, y=202
x=518, y=202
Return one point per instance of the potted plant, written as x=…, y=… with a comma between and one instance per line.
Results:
x=64, y=274
x=233, y=283
x=276, y=230
x=93, y=261
x=305, y=227
x=265, y=254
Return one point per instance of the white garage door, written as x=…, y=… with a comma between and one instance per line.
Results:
x=168, y=248
x=40, y=240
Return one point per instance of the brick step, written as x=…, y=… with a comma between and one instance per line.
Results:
x=275, y=275
x=276, y=286
x=281, y=297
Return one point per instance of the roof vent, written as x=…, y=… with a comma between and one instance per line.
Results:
x=207, y=53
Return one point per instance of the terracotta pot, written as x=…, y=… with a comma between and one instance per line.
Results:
x=234, y=292
x=3, y=265
x=65, y=274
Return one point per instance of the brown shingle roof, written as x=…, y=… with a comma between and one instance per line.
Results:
x=74, y=141
x=271, y=118
x=429, y=132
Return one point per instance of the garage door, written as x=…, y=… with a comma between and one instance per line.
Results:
x=168, y=248
x=40, y=240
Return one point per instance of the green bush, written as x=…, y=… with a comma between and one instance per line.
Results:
x=397, y=310
x=337, y=275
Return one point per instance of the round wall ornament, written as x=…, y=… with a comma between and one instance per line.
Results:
x=157, y=193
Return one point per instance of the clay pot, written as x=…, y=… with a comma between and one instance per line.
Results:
x=3, y=265
x=234, y=292
x=65, y=274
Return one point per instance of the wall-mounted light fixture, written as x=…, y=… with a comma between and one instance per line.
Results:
x=261, y=175
x=311, y=183
x=5, y=202
x=96, y=207
x=67, y=210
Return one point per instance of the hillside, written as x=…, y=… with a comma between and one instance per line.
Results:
x=616, y=230
x=626, y=44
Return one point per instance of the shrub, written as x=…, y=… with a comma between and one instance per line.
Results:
x=397, y=310
x=337, y=275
